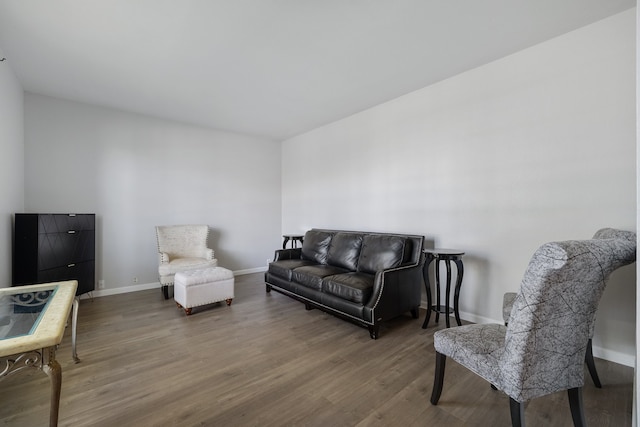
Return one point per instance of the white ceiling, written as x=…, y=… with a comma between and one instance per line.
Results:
x=273, y=68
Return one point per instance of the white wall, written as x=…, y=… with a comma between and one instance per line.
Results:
x=11, y=162
x=136, y=172
x=534, y=147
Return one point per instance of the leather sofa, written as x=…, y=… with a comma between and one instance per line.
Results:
x=360, y=276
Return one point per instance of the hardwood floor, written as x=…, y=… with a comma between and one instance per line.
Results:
x=266, y=361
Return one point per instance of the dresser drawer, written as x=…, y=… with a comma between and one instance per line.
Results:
x=83, y=272
x=63, y=223
x=60, y=249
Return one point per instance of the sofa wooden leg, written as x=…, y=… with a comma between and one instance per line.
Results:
x=188, y=311
x=268, y=288
x=374, y=331
x=415, y=313
x=228, y=300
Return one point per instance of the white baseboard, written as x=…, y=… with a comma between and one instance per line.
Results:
x=154, y=285
x=122, y=290
x=614, y=356
x=249, y=271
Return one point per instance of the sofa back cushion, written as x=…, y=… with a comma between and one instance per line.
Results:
x=316, y=245
x=381, y=252
x=345, y=250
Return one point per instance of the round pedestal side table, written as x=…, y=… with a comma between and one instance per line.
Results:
x=446, y=255
x=294, y=238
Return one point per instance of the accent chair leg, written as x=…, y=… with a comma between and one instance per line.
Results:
x=588, y=358
x=577, y=406
x=517, y=413
x=438, y=380
x=165, y=291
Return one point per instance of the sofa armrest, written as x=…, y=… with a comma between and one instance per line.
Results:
x=396, y=291
x=294, y=253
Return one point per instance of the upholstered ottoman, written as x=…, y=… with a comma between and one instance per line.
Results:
x=205, y=286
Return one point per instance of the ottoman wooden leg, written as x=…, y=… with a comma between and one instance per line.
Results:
x=187, y=310
x=228, y=300
x=178, y=304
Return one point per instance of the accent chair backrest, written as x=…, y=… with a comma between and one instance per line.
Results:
x=183, y=241
x=554, y=312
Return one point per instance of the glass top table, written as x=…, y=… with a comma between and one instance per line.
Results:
x=20, y=313
x=32, y=323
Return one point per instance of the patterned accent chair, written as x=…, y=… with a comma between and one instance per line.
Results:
x=182, y=248
x=542, y=349
x=510, y=297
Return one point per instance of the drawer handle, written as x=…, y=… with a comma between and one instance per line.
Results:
x=71, y=231
x=71, y=265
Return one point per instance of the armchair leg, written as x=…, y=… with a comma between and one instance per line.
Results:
x=517, y=413
x=165, y=291
x=438, y=380
x=577, y=406
x=588, y=358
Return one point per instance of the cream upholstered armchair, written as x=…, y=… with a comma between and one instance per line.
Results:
x=182, y=248
x=542, y=349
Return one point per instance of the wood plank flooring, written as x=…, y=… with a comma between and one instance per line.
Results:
x=266, y=361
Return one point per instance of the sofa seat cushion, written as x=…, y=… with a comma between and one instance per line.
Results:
x=284, y=268
x=355, y=287
x=311, y=276
x=381, y=252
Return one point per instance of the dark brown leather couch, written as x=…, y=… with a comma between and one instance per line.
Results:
x=361, y=276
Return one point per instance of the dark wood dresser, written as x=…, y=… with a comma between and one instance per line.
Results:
x=54, y=247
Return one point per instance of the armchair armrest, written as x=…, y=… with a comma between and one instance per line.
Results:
x=163, y=258
x=208, y=254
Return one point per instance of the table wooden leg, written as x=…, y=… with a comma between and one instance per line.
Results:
x=437, y=305
x=427, y=285
x=447, y=294
x=456, y=294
